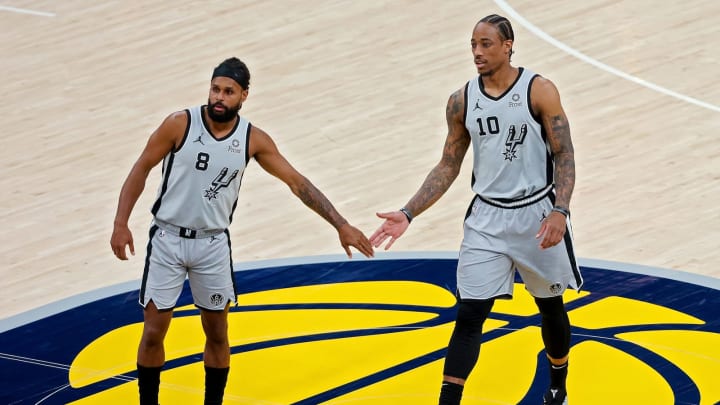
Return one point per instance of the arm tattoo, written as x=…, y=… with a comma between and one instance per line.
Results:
x=564, y=155
x=445, y=172
x=316, y=200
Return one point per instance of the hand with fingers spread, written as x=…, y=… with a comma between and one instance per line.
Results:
x=351, y=236
x=394, y=226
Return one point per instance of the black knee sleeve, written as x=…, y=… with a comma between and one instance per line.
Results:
x=464, y=347
x=555, y=326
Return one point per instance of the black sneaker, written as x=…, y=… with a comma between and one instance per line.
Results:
x=555, y=396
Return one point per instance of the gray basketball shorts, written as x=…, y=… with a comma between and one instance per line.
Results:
x=206, y=262
x=498, y=241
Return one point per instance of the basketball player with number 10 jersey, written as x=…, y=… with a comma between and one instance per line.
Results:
x=523, y=177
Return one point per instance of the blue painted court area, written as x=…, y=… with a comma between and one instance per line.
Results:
x=327, y=330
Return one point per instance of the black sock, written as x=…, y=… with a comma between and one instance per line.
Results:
x=148, y=384
x=215, y=380
x=450, y=393
x=558, y=375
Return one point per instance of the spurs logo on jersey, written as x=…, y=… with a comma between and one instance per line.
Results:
x=201, y=180
x=220, y=182
x=511, y=156
x=513, y=141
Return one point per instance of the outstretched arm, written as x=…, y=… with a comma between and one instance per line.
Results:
x=437, y=181
x=546, y=102
x=161, y=142
x=266, y=153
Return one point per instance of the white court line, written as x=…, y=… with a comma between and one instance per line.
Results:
x=547, y=38
x=52, y=393
x=26, y=11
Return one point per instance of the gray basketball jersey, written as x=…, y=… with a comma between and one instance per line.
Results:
x=201, y=178
x=512, y=159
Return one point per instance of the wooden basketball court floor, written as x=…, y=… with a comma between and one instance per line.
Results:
x=354, y=95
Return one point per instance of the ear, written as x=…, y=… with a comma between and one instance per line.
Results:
x=243, y=95
x=507, y=45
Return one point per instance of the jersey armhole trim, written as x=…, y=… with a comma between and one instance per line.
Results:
x=247, y=143
x=465, y=98
x=187, y=131
x=532, y=113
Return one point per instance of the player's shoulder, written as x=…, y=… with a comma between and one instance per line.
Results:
x=257, y=131
x=180, y=117
x=258, y=136
x=457, y=97
x=174, y=125
x=541, y=83
x=543, y=90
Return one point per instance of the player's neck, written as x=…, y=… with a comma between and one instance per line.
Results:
x=501, y=79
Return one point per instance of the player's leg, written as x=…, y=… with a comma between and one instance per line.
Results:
x=547, y=274
x=464, y=348
x=162, y=284
x=555, y=326
x=216, y=355
x=212, y=285
x=484, y=272
x=151, y=352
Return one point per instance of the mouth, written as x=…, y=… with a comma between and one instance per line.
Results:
x=480, y=63
x=219, y=108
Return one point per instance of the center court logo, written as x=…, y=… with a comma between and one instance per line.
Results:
x=375, y=332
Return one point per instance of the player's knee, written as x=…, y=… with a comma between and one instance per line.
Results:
x=464, y=346
x=472, y=314
x=216, y=329
x=552, y=308
x=217, y=338
x=555, y=326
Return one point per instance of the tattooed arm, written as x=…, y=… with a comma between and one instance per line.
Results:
x=546, y=103
x=446, y=171
x=266, y=153
x=437, y=181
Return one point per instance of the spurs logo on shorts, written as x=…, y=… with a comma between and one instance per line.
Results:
x=216, y=299
x=555, y=288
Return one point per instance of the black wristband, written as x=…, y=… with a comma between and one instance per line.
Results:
x=407, y=213
x=562, y=211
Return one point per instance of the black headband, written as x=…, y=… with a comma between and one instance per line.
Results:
x=225, y=71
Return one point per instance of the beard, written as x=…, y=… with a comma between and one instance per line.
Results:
x=228, y=115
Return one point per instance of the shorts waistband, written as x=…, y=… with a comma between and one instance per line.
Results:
x=520, y=202
x=187, y=233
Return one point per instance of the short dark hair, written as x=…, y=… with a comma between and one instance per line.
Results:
x=503, y=26
x=235, y=69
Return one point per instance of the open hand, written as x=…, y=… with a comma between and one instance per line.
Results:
x=394, y=226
